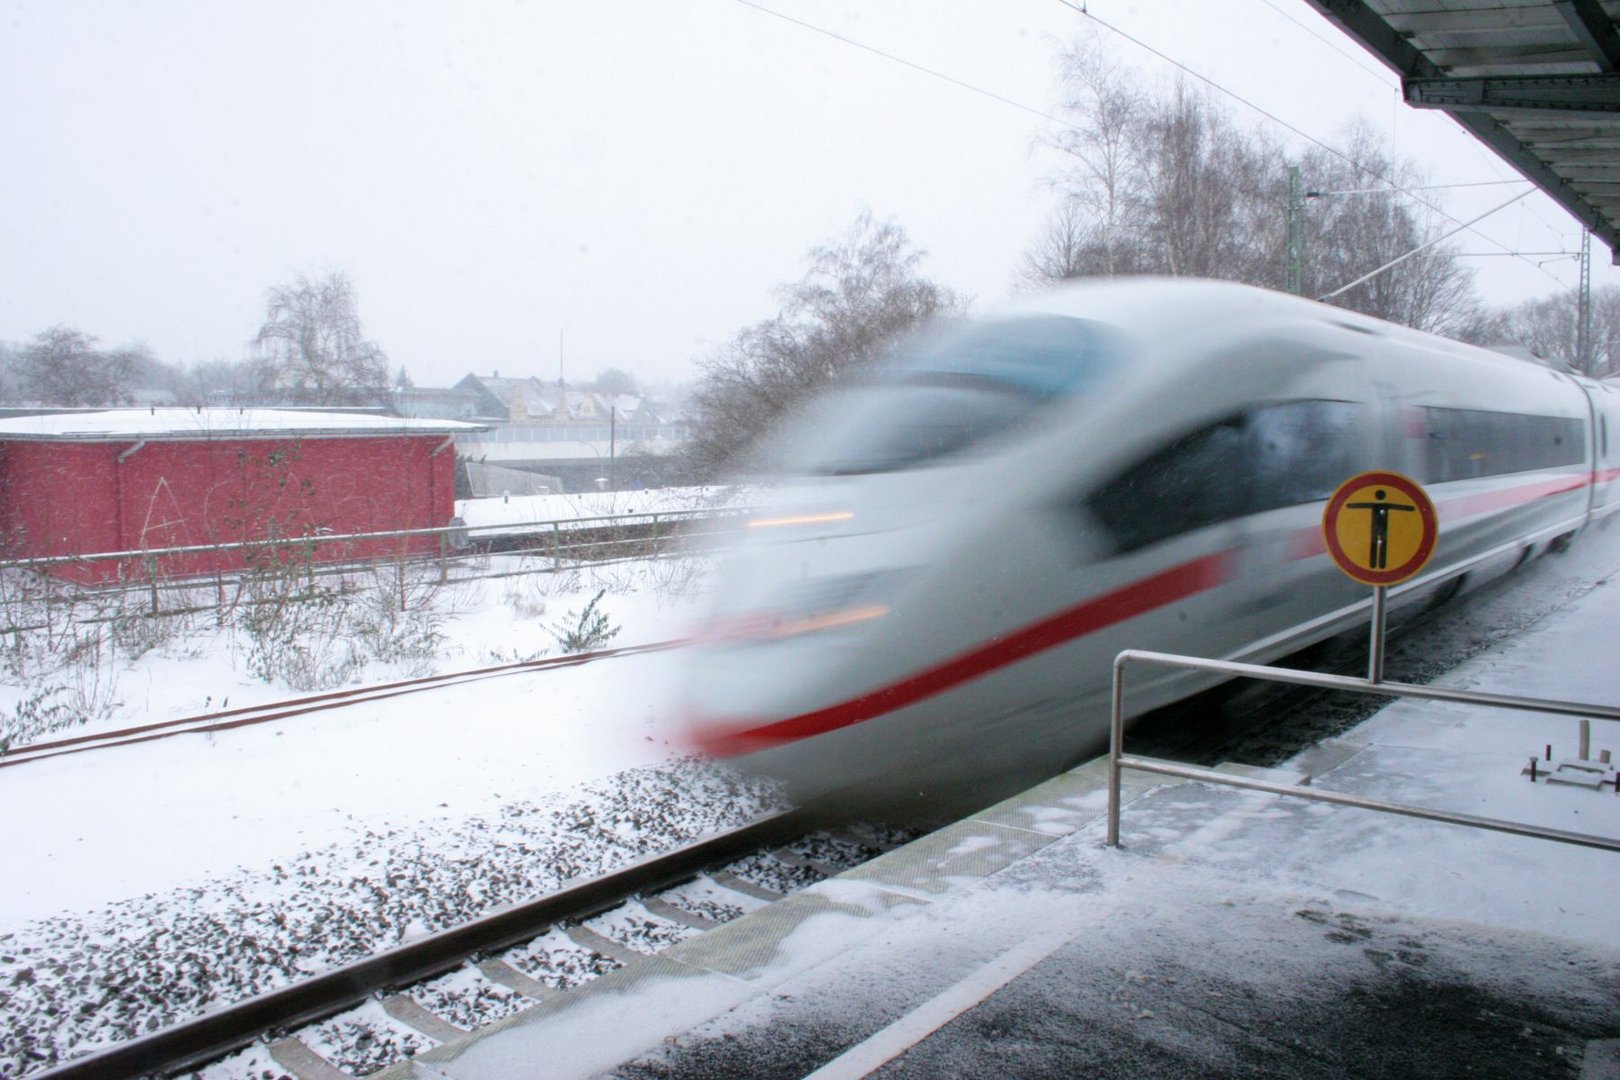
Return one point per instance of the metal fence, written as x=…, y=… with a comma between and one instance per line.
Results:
x=464, y=553
x=1119, y=760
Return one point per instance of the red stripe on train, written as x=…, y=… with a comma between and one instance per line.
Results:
x=1092, y=615
x=1307, y=543
x=1500, y=500
x=1087, y=617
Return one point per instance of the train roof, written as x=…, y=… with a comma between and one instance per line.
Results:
x=1163, y=310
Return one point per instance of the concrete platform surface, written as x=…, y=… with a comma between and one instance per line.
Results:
x=1235, y=934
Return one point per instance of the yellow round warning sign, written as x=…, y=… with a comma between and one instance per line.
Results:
x=1380, y=528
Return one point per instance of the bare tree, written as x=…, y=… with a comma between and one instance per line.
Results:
x=1605, y=333
x=860, y=293
x=62, y=366
x=221, y=382
x=1207, y=191
x=615, y=381
x=1067, y=248
x=1165, y=182
x=1547, y=327
x=1093, y=230
x=1362, y=222
x=1151, y=182
x=9, y=355
x=311, y=350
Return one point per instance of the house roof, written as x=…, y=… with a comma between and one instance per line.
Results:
x=190, y=424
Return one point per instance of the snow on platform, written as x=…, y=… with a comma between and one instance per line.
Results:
x=1235, y=933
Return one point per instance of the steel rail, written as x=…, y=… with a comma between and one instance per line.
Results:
x=214, y=1034
x=248, y=715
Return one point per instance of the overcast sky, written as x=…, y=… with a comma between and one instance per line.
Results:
x=613, y=183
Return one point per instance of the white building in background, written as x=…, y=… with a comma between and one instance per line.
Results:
x=584, y=439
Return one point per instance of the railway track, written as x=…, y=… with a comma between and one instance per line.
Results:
x=586, y=916
x=734, y=864
x=249, y=715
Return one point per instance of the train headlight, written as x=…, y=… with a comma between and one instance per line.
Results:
x=815, y=605
x=824, y=517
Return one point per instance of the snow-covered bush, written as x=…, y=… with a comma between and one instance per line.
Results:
x=137, y=629
x=299, y=640
x=397, y=619
x=59, y=648
x=590, y=628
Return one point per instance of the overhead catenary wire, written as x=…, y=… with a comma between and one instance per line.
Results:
x=1382, y=76
x=1420, y=248
x=1044, y=115
x=1418, y=187
x=1052, y=118
x=953, y=80
x=1083, y=9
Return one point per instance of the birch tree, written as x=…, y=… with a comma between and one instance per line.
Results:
x=311, y=349
x=860, y=292
x=1162, y=180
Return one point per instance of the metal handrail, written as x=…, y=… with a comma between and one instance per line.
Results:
x=1118, y=760
x=558, y=549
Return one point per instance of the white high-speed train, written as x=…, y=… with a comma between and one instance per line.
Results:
x=973, y=532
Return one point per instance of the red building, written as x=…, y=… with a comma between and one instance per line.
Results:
x=138, y=479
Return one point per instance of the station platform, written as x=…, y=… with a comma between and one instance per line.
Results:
x=1232, y=934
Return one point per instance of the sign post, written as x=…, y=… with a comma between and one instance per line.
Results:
x=1380, y=528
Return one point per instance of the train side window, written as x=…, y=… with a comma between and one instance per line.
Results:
x=1303, y=450
x=1265, y=458
x=1197, y=480
x=1464, y=444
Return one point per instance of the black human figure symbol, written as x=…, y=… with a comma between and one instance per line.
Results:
x=1378, y=545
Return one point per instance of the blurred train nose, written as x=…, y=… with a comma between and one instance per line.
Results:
x=784, y=657
x=716, y=738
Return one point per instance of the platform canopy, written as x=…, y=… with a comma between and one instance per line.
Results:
x=1538, y=81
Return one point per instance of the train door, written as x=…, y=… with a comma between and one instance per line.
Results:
x=1605, y=397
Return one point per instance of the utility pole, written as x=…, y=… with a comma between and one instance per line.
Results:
x=1583, y=309
x=1294, y=272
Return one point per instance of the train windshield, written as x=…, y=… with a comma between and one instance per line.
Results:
x=952, y=391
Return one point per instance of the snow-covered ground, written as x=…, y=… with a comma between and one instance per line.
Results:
x=303, y=843
x=193, y=806
x=493, y=512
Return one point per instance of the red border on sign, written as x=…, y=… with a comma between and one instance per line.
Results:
x=1409, y=488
